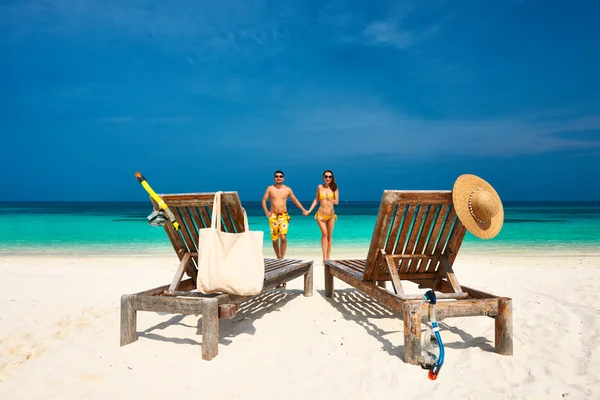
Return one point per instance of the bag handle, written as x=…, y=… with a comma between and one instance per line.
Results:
x=246, y=226
x=215, y=221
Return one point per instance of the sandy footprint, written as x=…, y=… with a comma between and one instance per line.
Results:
x=82, y=322
x=63, y=322
x=90, y=377
x=103, y=313
x=96, y=313
x=4, y=375
x=16, y=355
x=62, y=334
x=29, y=346
x=34, y=354
x=13, y=350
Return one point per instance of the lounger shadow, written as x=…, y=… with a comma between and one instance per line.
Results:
x=192, y=211
x=416, y=238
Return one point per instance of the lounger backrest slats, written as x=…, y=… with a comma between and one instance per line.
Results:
x=193, y=211
x=418, y=228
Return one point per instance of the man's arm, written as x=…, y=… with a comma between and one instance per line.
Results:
x=264, y=202
x=296, y=202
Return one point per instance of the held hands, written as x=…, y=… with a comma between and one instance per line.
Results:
x=305, y=212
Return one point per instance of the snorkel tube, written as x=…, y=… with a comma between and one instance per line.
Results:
x=435, y=368
x=161, y=203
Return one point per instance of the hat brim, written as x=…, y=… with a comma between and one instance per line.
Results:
x=463, y=187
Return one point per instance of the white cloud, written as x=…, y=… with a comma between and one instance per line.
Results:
x=205, y=26
x=390, y=132
x=383, y=32
x=370, y=129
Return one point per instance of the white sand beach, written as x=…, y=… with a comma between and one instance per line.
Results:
x=59, y=336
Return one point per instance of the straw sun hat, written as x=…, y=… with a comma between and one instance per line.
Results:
x=478, y=206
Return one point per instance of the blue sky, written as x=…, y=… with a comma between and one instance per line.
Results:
x=389, y=95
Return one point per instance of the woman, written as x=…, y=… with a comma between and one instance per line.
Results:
x=328, y=195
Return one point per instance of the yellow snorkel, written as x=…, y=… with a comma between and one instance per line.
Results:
x=161, y=203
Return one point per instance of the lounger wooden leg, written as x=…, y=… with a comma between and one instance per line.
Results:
x=210, y=329
x=308, y=282
x=504, y=327
x=328, y=282
x=411, y=313
x=128, y=321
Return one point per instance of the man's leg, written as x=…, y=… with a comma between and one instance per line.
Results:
x=282, y=246
x=284, y=222
x=276, y=247
x=274, y=226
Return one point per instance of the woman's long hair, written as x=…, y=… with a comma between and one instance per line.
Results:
x=332, y=184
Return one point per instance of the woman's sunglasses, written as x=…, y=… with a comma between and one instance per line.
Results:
x=327, y=176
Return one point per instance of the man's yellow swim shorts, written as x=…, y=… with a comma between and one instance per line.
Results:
x=279, y=224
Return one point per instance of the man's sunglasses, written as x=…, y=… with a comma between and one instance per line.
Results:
x=278, y=176
x=327, y=176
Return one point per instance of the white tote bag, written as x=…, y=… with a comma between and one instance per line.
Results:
x=230, y=262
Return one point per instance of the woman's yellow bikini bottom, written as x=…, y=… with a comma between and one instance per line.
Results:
x=325, y=217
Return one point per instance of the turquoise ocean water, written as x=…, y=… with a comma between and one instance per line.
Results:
x=122, y=228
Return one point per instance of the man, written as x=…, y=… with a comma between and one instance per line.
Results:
x=278, y=216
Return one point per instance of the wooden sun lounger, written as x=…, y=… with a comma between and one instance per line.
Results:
x=193, y=212
x=416, y=238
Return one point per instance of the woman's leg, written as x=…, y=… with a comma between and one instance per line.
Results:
x=330, y=225
x=323, y=226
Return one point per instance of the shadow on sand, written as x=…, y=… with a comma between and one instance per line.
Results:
x=242, y=323
x=355, y=306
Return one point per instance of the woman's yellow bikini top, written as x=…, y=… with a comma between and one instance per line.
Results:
x=330, y=195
